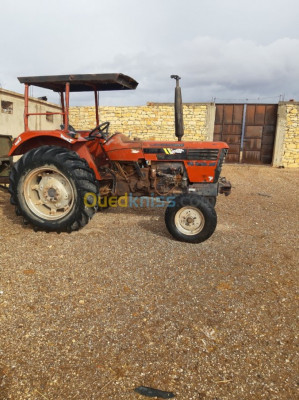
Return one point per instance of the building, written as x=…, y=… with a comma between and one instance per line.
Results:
x=12, y=114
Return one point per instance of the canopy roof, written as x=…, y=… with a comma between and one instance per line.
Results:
x=82, y=83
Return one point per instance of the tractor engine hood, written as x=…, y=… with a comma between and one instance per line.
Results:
x=120, y=147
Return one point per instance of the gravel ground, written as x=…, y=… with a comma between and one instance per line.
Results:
x=119, y=304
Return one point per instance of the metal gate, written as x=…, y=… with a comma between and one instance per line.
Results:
x=248, y=129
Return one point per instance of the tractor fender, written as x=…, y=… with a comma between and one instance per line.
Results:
x=32, y=139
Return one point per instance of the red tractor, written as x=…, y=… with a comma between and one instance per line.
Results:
x=65, y=175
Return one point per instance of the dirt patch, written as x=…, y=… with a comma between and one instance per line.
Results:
x=120, y=304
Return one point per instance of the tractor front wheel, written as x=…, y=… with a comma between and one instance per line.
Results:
x=190, y=218
x=53, y=189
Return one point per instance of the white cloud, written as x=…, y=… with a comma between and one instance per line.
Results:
x=210, y=67
x=231, y=49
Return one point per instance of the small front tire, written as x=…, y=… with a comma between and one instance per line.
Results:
x=191, y=218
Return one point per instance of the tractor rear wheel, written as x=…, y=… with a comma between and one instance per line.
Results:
x=191, y=218
x=53, y=189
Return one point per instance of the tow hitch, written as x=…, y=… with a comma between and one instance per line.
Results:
x=224, y=187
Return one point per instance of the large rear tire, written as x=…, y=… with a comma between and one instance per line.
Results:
x=191, y=218
x=53, y=189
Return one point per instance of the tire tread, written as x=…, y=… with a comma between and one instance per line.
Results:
x=78, y=169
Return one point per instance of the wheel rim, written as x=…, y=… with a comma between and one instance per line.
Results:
x=189, y=220
x=48, y=193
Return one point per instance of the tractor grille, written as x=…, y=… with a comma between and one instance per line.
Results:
x=220, y=163
x=202, y=154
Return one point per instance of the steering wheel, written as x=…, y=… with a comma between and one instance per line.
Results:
x=102, y=130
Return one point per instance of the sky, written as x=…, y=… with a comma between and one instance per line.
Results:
x=224, y=50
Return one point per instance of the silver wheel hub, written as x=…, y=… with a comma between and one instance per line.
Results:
x=48, y=193
x=52, y=188
x=189, y=220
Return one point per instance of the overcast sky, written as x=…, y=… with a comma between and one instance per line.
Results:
x=224, y=49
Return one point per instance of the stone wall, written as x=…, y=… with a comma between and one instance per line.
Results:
x=286, y=149
x=154, y=121
x=291, y=141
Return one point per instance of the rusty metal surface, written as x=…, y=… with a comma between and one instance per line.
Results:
x=5, y=160
x=82, y=83
x=256, y=145
x=228, y=128
x=5, y=145
x=259, y=133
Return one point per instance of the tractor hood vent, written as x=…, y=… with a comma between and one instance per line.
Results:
x=202, y=154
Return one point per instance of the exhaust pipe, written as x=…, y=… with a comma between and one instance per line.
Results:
x=178, y=109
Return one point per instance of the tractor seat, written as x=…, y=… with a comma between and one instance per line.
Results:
x=70, y=128
x=72, y=132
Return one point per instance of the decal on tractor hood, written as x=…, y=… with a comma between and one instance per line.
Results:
x=168, y=153
x=17, y=141
x=66, y=138
x=173, y=151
